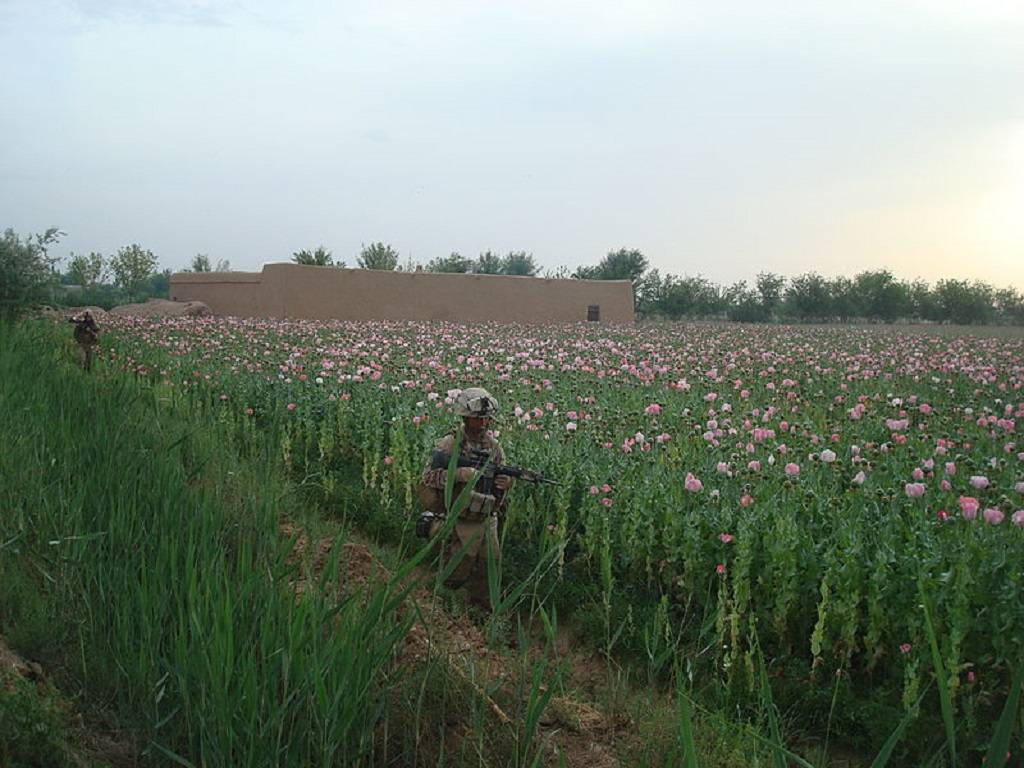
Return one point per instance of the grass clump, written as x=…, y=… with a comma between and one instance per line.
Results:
x=32, y=727
x=142, y=557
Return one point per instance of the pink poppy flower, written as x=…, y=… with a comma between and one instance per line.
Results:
x=993, y=516
x=968, y=507
x=914, y=490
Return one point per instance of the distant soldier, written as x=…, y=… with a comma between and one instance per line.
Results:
x=87, y=334
x=478, y=521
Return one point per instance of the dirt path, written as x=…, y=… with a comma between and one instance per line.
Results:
x=572, y=729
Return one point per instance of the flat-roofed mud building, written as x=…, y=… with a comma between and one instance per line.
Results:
x=323, y=293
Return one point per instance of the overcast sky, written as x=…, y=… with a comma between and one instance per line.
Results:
x=720, y=138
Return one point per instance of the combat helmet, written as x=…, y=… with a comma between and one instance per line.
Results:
x=476, y=401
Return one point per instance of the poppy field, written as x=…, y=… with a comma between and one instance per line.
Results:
x=845, y=504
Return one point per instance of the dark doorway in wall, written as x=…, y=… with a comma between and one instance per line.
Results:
x=594, y=313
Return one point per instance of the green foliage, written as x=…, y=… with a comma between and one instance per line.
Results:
x=453, y=262
x=32, y=729
x=675, y=297
x=159, y=285
x=770, y=288
x=807, y=297
x=514, y=263
x=158, y=544
x=623, y=264
x=88, y=270
x=26, y=271
x=745, y=305
x=201, y=263
x=519, y=263
x=963, y=302
x=133, y=266
x=488, y=263
x=873, y=295
x=378, y=256
x=845, y=303
x=319, y=257
x=881, y=296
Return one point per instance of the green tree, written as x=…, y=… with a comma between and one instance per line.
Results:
x=160, y=284
x=881, y=296
x=26, y=271
x=223, y=265
x=201, y=263
x=677, y=297
x=320, y=257
x=488, y=263
x=770, y=288
x=965, y=303
x=133, y=266
x=842, y=299
x=519, y=263
x=807, y=298
x=924, y=305
x=623, y=264
x=378, y=256
x=745, y=305
x=88, y=270
x=454, y=262
x=1010, y=304
x=649, y=293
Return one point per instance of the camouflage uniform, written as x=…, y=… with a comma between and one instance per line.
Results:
x=86, y=336
x=471, y=527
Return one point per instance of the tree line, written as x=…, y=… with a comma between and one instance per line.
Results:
x=869, y=296
x=30, y=276
x=383, y=256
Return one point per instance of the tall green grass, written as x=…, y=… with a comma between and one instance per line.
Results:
x=145, y=560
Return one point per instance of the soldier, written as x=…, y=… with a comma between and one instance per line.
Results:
x=478, y=519
x=86, y=334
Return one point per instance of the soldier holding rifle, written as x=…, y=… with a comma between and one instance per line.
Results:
x=480, y=461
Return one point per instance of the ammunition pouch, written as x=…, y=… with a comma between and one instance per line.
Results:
x=480, y=506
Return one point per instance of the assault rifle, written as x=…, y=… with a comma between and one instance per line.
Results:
x=484, y=488
x=481, y=462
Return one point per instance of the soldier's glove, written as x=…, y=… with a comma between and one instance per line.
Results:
x=424, y=524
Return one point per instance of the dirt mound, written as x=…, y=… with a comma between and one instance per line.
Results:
x=12, y=661
x=163, y=308
x=65, y=313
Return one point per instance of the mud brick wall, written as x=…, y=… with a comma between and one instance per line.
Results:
x=321, y=293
